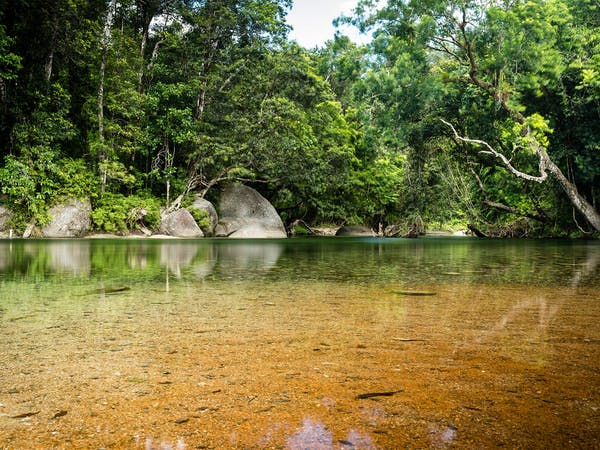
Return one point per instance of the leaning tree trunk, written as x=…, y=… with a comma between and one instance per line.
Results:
x=546, y=166
x=584, y=207
x=577, y=200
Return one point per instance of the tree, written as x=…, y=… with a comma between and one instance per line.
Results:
x=209, y=51
x=10, y=63
x=508, y=52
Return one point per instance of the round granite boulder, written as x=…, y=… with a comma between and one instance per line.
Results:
x=244, y=213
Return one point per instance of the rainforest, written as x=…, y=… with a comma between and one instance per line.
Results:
x=457, y=115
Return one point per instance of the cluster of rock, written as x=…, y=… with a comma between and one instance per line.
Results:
x=70, y=219
x=244, y=214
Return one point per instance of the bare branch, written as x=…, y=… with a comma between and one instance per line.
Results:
x=479, y=182
x=491, y=204
x=236, y=71
x=442, y=47
x=490, y=151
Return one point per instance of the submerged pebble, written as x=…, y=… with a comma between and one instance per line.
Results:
x=415, y=293
x=58, y=414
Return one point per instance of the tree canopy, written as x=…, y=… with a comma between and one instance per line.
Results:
x=457, y=113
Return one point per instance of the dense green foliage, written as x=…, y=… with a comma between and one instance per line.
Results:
x=115, y=213
x=134, y=102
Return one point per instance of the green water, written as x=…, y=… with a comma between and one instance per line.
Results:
x=131, y=263
x=135, y=343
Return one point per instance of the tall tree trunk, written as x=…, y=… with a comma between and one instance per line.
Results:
x=145, y=34
x=201, y=101
x=142, y=54
x=105, y=41
x=50, y=60
x=154, y=55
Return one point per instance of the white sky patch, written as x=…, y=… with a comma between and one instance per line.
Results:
x=312, y=21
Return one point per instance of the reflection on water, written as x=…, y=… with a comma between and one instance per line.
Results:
x=588, y=267
x=316, y=436
x=408, y=261
x=320, y=343
x=136, y=258
x=311, y=435
x=150, y=444
x=249, y=256
x=57, y=256
x=442, y=437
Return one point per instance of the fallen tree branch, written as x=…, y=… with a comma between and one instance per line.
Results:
x=460, y=35
x=491, y=204
x=512, y=210
x=303, y=224
x=476, y=231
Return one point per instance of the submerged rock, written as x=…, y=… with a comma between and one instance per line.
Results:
x=247, y=214
x=415, y=293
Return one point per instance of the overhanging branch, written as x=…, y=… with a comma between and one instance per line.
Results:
x=491, y=151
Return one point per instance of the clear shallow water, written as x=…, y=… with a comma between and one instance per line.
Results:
x=285, y=344
x=370, y=261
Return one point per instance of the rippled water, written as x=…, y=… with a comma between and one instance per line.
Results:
x=300, y=343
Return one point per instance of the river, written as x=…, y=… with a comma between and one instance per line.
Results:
x=325, y=343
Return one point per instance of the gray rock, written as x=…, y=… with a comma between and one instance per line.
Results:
x=247, y=214
x=355, y=231
x=31, y=231
x=204, y=205
x=5, y=215
x=69, y=219
x=180, y=223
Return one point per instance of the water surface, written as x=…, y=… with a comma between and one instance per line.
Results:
x=303, y=343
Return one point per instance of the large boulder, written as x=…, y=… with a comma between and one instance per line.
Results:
x=180, y=223
x=202, y=204
x=69, y=219
x=5, y=215
x=247, y=214
x=355, y=231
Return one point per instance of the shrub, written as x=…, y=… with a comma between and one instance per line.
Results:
x=116, y=213
x=202, y=219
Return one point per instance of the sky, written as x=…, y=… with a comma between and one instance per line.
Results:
x=311, y=21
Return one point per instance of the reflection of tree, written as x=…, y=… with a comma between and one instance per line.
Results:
x=175, y=256
x=5, y=255
x=71, y=256
x=33, y=259
x=547, y=311
x=589, y=267
x=248, y=256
